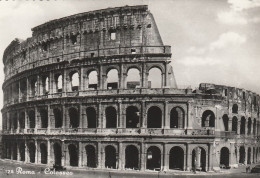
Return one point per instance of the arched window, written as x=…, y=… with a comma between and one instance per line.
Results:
x=224, y=156
x=73, y=153
x=225, y=122
x=243, y=126
x=234, y=124
x=242, y=154
x=45, y=85
x=58, y=83
x=58, y=118
x=155, y=78
x=132, y=117
x=112, y=79
x=33, y=87
x=32, y=119
x=177, y=118
x=153, y=158
x=74, y=81
x=154, y=119
x=110, y=157
x=44, y=153
x=235, y=109
x=22, y=151
x=111, y=117
x=249, y=156
x=92, y=80
x=31, y=147
x=44, y=118
x=131, y=157
x=57, y=154
x=176, y=160
x=74, y=118
x=91, y=156
x=133, y=78
x=249, y=124
x=22, y=120
x=91, y=117
x=208, y=119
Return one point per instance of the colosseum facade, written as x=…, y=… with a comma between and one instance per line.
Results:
x=61, y=106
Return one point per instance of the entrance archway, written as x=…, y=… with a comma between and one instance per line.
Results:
x=153, y=158
x=242, y=155
x=249, y=156
x=32, y=152
x=154, y=119
x=199, y=158
x=44, y=153
x=132, y=117
x=131, y=157
x=57, y=154
x=176, y=158
x=224, y=156
x=73, y=154
x=110, y=157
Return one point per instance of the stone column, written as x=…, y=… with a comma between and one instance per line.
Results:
x=51, y=83
x=143, y=110
x=26, y=152
x=188, y=158
x=166, y=74
x=18, y=152
x=232, y=153
x=64, y=83
x=81, y=80
x=49, y=110
x=99, y=154
x=121, y=77
x=246, y=127
x=166, y=124
x=165, y=166
x=121, y=155
x=28, y=93
x=230, y=124
x=246, y=150
x=100, y=123
x=143, y=157
x=144, y=83
x=80, y=117
x=189, y=115
x=36, y=119
x=119, y=117
x=238, y=126
x=80, y=155
x=64, y=152
x=100, y=78
x=49, y=159
x=26, y=120
x=63, y=117
x=36, y=151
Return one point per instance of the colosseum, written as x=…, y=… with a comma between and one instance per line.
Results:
x=79, y=93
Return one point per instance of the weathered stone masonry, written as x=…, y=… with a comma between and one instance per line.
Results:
x=60, y=106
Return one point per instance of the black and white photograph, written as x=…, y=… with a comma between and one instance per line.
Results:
x=130, y=88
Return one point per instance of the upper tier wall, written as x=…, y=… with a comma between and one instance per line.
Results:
x=108, y=32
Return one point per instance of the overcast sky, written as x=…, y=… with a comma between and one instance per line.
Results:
x=214, y=41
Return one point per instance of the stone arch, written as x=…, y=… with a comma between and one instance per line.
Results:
x=57, y=151
x=44, y=118
x=235, y=108
x=133, y=78
x=155, y=79
x=225, y=120
x=249, y=155
x=131, y=157
x=92, y=78
x=31, y=147
x=177, y=117
x=33, y=87
x=57, y=118
x=132, y=117
x=224, y=157
x=45, y=84
x=199, y=158
x=91, y=117
x=32, y=119
x=58, y=82
x=243, y=125
x=153, y=158
x=112, y=79
x=91, y=156
x=154, y=117
x=234, y=124
x=44, y=153
x=176, y=158
x=110, y=157
x=74, y=117
x=22, y=120
x=73, y=155
x=74, y=81
x=111, y=117
x=208, y=119
x=242, y=154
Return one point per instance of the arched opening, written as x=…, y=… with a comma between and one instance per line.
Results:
x=31, y=147
x=153, y=158
x=45, y=82
x=224, y=157
x=74, y=81
x=33, y=87
x=131, y=157
x=177, y=118
x=249, y=124
x=58, y=82
x=234, y=124
x=132, y=117
x=249, y=156
x=111, y=117
x=14, y=116
x=23, y=89
x=176, y=158
x=225, y=122
x=92, y=80
x=91, y=156
x=254, y=155
x=91, y=117
x=112, y=79
x=154, y=119
x=22, y=151
x=32, y=119
x=235, y=109
x=208, y=119
x=254, y=127
x=57, y=117
x=155, y=78
x=74, y=118
x=242, y=154
x=199, y=158
x=73, y=153
x=14, y=148
x=57, y=154
x=133, y=78
x=44, y=118
x=22, y=120
x=110, y=157
x=44, y=153
x=242, y=126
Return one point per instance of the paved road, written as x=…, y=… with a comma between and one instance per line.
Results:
x=10, y=169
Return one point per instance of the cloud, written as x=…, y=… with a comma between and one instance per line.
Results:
x=239, y=5
x=232, y=18
x=227, y=39
x=199, y=61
